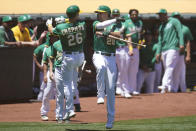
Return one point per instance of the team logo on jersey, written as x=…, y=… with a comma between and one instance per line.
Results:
x=169, y=25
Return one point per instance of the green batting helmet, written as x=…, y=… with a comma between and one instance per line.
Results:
x=103, y=8
x=162, y=11
x=6, y=19
x=116, y=12
x=22, y=18
x=175, y=14
x=72, y=11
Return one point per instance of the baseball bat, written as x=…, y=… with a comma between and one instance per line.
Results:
x=120, y=39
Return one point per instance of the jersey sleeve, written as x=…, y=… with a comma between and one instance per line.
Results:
x=94, y=26
x=2, y=37
x=178, y=27
x=45, y=57
x=188, y=34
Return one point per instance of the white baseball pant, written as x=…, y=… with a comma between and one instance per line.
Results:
x=181, y=81
x=170, y=59
x=147, y=78
x=133, y=68
x=42, y=86
x=75, y=87
x=158, y=75
x=47, y=95
x=64, y=78
x=121, y=63
x=106, y=75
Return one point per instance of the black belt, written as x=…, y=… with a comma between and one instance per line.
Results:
x=106, y=54
x=69, y=52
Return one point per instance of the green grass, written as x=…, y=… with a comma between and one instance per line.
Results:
x=187, y=123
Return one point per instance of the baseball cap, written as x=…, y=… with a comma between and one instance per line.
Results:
x=28, y=16
x=116, y=12
x=175, y=14
x=22, y=18
x=102, y=9
x=6, y=19
x=72, y=10
x=162, y=11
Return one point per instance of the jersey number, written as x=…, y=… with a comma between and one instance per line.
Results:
x=110, y=41
x=74, y=39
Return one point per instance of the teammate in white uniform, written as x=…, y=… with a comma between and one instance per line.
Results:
x=72, y=36
x=171, y=44
x=184, y=58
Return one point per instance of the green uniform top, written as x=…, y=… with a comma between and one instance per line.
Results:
x=101, y=43
x=170, y=35
x=2, y=36
x=47, y=55
x=57, y=53
x=38, y=52
x=48, y=38
x=126, y=17
x=147, y=56
x=72, y=35
x=187, y=34
x=155, y=50
x=120, y=27
x=134, y=28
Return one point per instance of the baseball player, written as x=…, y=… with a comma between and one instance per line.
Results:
x=184, y=58
x=72, y=37
x=121, y=57
x=147, y=60
x=135, y=28
x=50, y=84
x=105, y=61
x=171, y=44
x=38, y=55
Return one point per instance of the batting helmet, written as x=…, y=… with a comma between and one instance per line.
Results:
x=175, y=14
x=72, y=11
x=116, y=12
x=103, y=8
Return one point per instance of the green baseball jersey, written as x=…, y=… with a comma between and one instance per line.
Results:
x=126, y=17
x=38, y=52
x=120, y=27
x=186, y=33
x=155, y=50
x=2, y=36
x=147, y=56
x=57, y=53
x=170, y=35
x=134, y=28
x=72, y=35
x=47, y=55
x=101, y=43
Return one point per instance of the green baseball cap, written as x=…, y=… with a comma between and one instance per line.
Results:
x=72, y=10
x=162, y=11
x=116, y=12
x=28, y=16
x=103, y=8
x=22, y=18
x=6, y=19
x=175, y=14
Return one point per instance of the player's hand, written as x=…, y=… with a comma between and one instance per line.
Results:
x=59, y=20
x=49, y=22
x=45, y=78
x=43, y=34
x=106, y=33
x=120, y=19
x=130, y=52
x=188, y=59
x=158, y=56
x=51, y=76
x=19, y=44
x=181, y=49
x=35, y=30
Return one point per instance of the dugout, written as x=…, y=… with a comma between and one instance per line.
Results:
x=42, y=10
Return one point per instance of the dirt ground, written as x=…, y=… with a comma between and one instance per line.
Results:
x=138, y=107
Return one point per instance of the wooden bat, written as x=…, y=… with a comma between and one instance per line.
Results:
x=120, y=39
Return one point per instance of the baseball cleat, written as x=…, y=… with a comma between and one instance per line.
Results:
x=118, y=91
x=109, y=126
x=77, y=107
x=135, y=93
x=69, y=115
x=59, y=121
x=100, y=100
x=44, y=118
x=127, y=95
